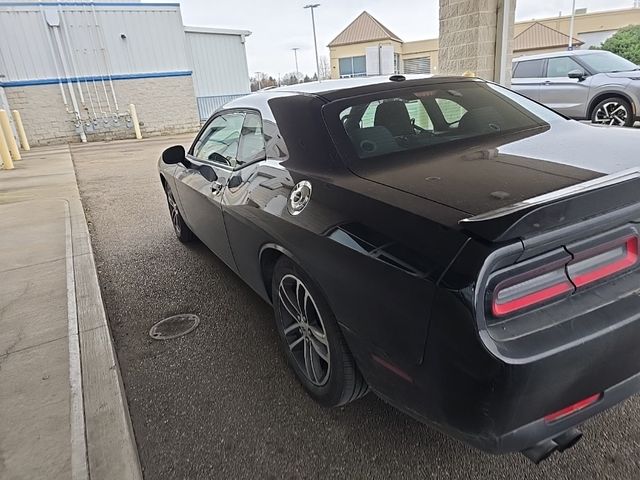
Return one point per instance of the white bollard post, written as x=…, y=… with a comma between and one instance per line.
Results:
x=5, y=156
x=134, y=119
x=8, y=135
x=17, y=119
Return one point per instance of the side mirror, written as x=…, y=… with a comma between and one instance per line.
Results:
x=174, y=155
x=579, y=74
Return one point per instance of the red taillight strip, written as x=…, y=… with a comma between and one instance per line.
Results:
x=630, y=259
x=571, y=409
x=500, y=309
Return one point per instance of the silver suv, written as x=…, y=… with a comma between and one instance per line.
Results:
x=589, y=84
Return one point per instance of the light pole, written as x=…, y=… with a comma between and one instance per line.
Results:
x=295, y=53
x=573, y=17
x=311, y=6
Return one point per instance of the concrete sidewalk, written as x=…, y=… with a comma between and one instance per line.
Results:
x=63, y=413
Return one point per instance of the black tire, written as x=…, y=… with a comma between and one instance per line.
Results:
x=183, y=233
x=613, y=111
x=343, y=382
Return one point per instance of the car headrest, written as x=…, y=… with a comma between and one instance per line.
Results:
x=393, y=115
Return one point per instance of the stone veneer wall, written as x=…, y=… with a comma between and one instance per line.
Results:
x=468, y=36
x=165, y=105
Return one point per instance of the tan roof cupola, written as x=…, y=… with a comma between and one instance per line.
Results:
x=365, y=28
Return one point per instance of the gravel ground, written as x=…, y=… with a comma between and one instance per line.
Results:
x=221, y=403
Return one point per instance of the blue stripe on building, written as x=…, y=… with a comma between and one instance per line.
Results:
x=126, y=76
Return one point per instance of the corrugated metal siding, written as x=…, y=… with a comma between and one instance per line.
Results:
x=208, y=105
x=219, y=64
x=155, y=41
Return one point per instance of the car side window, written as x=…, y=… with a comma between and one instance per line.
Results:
x=561, y=66
x=451, y=111
x=529, y=69
x=220, y=140
x=418, y=114
x=252, y=141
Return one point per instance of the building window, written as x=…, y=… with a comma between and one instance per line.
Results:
x=353, y=66
x=417, y=65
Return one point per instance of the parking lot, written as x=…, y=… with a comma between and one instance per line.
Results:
x=220, y=402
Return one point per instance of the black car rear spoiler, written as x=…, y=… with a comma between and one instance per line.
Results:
x=557, y=209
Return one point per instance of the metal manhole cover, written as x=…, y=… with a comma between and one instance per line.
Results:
x=174, y=327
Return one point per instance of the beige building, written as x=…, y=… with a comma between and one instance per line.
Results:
x=367, y=47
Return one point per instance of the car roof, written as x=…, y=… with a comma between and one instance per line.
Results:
x=345, y=83
x=341, y=88
x=566, y=53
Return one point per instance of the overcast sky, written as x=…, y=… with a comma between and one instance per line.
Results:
x=280, y=25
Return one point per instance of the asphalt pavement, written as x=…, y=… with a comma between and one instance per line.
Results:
x=221, y=403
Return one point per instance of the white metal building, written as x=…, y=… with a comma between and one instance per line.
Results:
x=72, y=68
x=219, y=64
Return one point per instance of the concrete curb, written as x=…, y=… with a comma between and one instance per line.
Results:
x=111, y=446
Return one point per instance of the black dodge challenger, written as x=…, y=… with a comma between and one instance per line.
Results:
x=467, y=254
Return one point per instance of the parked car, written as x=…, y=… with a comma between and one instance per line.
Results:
x=467, y=254
x=590, y=84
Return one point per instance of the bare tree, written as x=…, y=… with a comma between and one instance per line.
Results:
x=261, y=80
x=325, y=68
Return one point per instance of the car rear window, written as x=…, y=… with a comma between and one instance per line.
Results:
x=415, y=118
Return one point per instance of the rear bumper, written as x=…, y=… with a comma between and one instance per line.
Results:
x=498, y=404
x=539, y=430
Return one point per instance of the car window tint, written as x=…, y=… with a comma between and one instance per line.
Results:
x=401, y=123
x=529, y=69
x=369, y=115
x=561, y=66
x=418, y=114
x=252, y=142
x=219, y=142
x=451, y=111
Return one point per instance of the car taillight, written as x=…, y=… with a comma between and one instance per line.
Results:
x=552, y=276
x=509, y=298
x=603, y=261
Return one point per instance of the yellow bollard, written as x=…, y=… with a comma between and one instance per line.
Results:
x=134, y=119
x=5, y=156
x=8, y=135
x=17, y=119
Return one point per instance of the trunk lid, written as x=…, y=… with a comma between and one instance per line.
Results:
x=513, y=170
x=482, y=178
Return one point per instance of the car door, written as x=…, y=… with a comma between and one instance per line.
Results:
x=201, y=182
x=528, y=76
x=565, y=95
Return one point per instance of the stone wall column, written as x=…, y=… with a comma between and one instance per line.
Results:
x=471, y=34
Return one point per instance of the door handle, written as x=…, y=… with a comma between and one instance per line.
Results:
x=547, y=82
x=216, y=187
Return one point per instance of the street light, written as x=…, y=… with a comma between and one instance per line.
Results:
x=295, y=53
x=573, y=18
x=315, y=41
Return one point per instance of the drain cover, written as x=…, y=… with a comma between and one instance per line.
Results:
x=174, y=327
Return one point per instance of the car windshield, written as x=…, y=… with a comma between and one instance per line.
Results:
x=428, y=116
x=607, y=62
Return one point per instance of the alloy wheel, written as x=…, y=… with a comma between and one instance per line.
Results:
x=611, y=113
x=304, y=330
x=175, y=214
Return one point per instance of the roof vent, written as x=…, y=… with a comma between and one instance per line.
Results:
x=397, y=78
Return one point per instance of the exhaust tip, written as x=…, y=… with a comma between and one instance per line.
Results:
x=543, y=450
x=568, y=439
x=540, y=451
